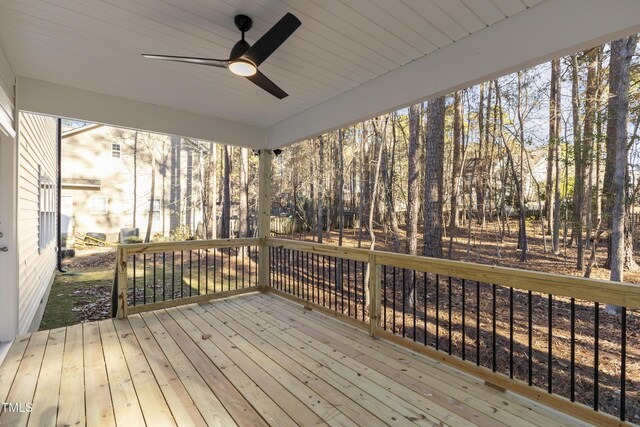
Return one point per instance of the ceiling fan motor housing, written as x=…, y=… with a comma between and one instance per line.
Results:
x=239, y=49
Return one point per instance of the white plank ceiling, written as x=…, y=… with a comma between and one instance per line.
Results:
x=95, y=45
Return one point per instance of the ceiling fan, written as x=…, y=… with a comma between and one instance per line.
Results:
x=244, y=58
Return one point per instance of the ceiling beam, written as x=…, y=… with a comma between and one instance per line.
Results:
x=37, y=96
x=544, y=32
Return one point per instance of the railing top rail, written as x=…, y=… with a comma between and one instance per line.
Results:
x=596, y=290
x=159, y=247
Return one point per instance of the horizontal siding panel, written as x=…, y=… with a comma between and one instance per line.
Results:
x=7, y=94
x=37, y=151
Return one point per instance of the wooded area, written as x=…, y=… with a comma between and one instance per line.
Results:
x=547, y=155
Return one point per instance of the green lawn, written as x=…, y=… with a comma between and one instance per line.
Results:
x=73, y=290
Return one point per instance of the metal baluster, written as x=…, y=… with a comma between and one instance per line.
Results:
x=348, y=287
x=596, y=357
x=206, y=271
x=181, y=274
x=154, y=277
x=363, y=287
x=384, y=293
x=623, y=364
x=164, y=277
x=199, y=260
x=215, y=258
x=510, y=332
x=236, y=272
x=437, y=311
x=323, y=287
x=550, y=346
x=134, y=280
x=493, y=340
x=414, y=303
x=530, y=349
x=424, y=284
x=478, y=323
x=228, y=269
x=393, y=293
x=403, y=298
x=464, y=325
x=449, y=326
x=173, y=275
x=144, y=278
x=190, y=272
x=572, y=355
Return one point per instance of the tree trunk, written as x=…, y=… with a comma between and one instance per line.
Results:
x=433, y=196
x=549, y=202
x=243, y=212
x=175, y=193
x=589, y=138
x=480, y=161
x=152, y=194
x=621, y=54
x=455, y=166
x=387, y=182
x=188, y=197
x=413, y=197
x=320, y=188
x=226, y=195
x=214, y=195
x=135, y=179
x=579, y=177
x=557, y=111
x=341, y=186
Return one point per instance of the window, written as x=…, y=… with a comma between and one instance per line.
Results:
x=98, y=205
x=46, y=209
x=116, y=150
x=156, y=208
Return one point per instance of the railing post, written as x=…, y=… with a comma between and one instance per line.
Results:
x=374, y=295
x=121, y=266
x=264, y=216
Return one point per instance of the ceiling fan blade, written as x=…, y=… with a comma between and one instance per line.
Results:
x=263, y=81
x=222, y=63
x=272, y=39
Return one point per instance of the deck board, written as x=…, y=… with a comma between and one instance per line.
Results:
x=250, y=360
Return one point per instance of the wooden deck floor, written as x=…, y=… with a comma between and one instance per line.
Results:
x=255, y=359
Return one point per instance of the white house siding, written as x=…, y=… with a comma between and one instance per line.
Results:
x=87, y=155
x=7, y=94
x=36, y=152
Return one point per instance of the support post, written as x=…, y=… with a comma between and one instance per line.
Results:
x=122, y=280
x=374, y=295
x=264, y=217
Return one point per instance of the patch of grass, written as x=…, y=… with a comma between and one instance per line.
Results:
x=70, y=290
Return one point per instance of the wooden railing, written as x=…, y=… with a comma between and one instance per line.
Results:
x=545, y=336
x=534, y=333
x=156, y=275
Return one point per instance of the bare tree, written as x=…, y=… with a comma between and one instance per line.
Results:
x=243, y=210
x=555, y=125
x=413, y=197
x=226, y=195
x=455, y=166
x=615, y=176
x=433, y=191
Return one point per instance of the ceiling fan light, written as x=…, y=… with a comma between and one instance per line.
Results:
x=242, y=68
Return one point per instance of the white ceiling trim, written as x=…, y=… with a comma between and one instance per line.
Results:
x=43, y=97
x=546, y=31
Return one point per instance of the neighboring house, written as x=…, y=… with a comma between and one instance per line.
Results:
x=107, y=176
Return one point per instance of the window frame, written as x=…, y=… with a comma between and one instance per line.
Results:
x=116, y=148
x=92, y=209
